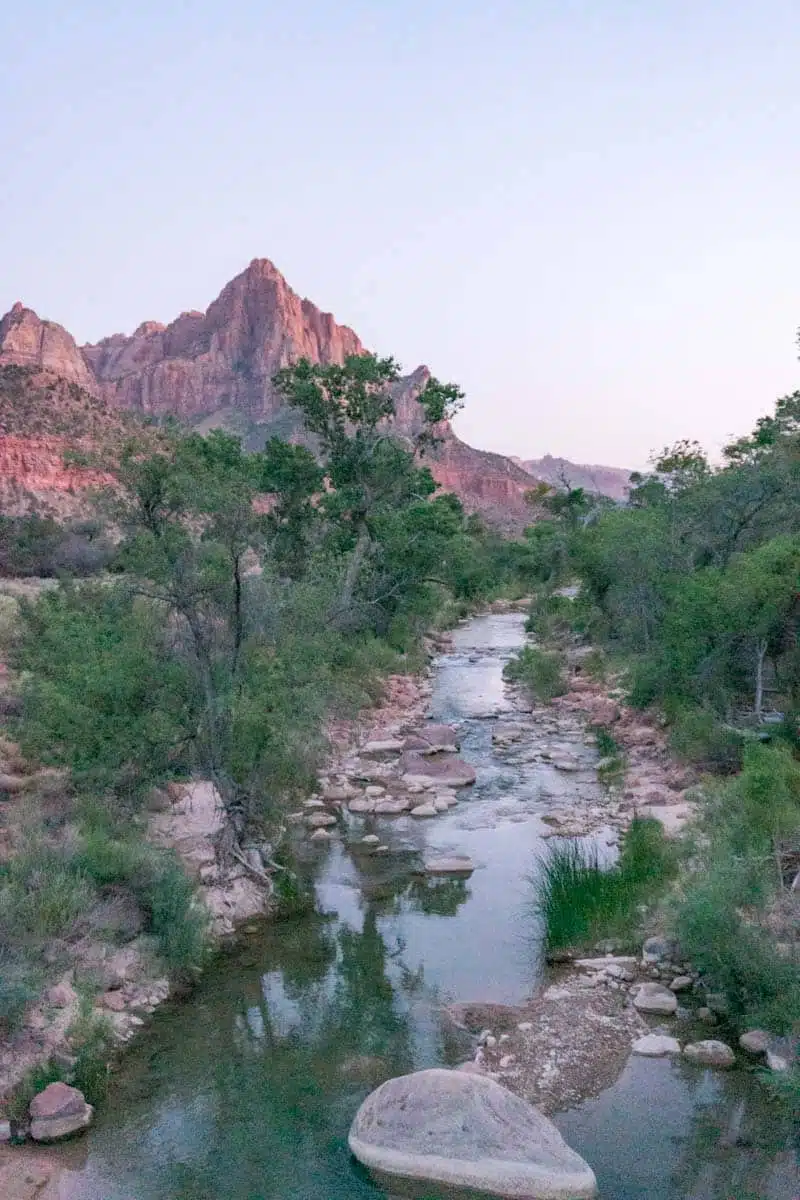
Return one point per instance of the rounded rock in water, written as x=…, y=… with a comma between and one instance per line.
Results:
x=435, y=1132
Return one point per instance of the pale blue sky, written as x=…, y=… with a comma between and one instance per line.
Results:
x=586, y=212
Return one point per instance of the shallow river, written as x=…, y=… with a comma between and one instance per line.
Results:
x=246, y=1092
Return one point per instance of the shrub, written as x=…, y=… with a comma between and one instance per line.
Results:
x=699, y=738
x=541, y=672
x=43, y=895
x=607, y=744
x=20, y=982
x=580, y=901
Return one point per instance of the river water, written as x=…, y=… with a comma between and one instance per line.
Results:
x=246, y=1091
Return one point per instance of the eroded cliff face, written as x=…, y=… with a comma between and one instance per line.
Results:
x=27, y=341
x=217, y=367
x=223, y=358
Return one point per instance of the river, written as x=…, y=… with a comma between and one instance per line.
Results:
x=246, y=1091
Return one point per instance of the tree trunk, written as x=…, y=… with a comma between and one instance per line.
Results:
x=238, y=624
x=761, y=651
x=354, y=569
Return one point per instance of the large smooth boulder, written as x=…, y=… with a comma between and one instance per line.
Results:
x=58, y=1112
x=434, y=1132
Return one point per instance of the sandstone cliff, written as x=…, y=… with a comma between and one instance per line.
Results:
x=216, y=368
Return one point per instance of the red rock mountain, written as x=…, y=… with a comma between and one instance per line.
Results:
x=603, y=481
x=217, y=367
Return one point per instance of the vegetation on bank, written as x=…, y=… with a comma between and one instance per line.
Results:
x=691, y=594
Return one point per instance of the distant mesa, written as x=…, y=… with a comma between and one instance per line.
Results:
x=613, y=482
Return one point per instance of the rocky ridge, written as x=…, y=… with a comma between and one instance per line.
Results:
x=216, y=368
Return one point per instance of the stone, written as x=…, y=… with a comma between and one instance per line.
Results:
x=776, y=1062
x=58, y=1112
x=319, y=805
x=447, y=770
x=379, y=748
x=657, y=949
x=370, y=839
x=320, y=835
x=656, y=1045
x=710, y=1053
x=443, y=1130
x=391, y=806
x=374, y=790
x=681, y=983
x=361, y=806
x=653, y=998
x=319, y=820
x=718, y=1003
x=705, y=1014
x=449, y=865
x=441, y=806
x=113, y=1001
x=339, y=794
x=626, y=962
x=755, y=1042
x=424, y=810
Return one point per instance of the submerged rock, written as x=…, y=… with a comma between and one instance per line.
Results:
x=453, y=864
x=442, y=1130
x=59, y=1112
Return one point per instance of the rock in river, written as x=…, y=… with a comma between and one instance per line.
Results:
x=435, y=1131
x=447, y=770
x=58, y=1112
x=653, y=998
x=710, y=1053
x=452, y=864
x=656, y=1045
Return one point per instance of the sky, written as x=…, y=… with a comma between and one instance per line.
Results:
x=585, y=212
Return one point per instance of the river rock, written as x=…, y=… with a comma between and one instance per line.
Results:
x=361, y=805
x=382, y=747
x=432, y=737
x=653, y=998
x=318, y=820
x=453, y=864
x=448, y=771
x=425, y=810
x=710, y=1053
x=656, y=1045
x=755, y=1042
x=776, y=1062
x=391, y=806
x=58, y=1112
x=339, y=793
x=658, y=949
x=444, y=1130
x=681, y=983
x=320, y=835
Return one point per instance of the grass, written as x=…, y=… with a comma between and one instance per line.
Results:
x=541, y=672
x=580, y=901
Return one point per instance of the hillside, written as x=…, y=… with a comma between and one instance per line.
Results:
x=601, y=480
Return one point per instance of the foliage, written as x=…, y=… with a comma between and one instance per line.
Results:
x=580, y=901
x=541, y=672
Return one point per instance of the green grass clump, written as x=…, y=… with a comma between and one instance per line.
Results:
x=541, y=672
x=607, y=744
x=698, y=737
x=580, y=901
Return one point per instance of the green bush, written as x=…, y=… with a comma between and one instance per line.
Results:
x=20, y=982
x=541, y=672
x=580, y=901
x=699, y=738
x=607, y=744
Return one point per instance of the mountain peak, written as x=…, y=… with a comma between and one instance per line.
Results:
x=28, y=341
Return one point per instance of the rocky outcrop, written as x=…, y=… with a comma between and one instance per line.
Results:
x=601, y=481
x=223, y=358
x=217, y=367
x=444, y=1130
x=28, y=341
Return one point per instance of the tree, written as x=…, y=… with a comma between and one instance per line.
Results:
x=370, y=472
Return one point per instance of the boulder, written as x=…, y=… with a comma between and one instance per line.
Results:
x=425, y=810
x=361, y=805
x=391, y=806
x=681, y=983
x=653, y=998
x=445, y=770
x=443, y=1130
x=656, y=1045
x=320, y=835
x=449, y=865
x=382, y=747
x=432, y=737
x=755, y=1042
x=339, y=793
x=777, y=1062
x=319, y=820
x=58, y=1112
x=710, y=1053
